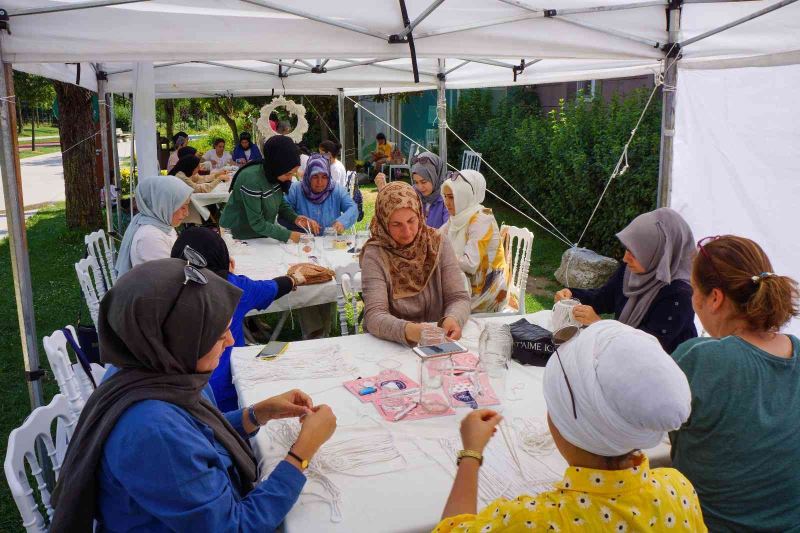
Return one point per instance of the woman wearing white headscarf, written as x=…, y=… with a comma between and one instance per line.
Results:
x=610, y=393
x=651, y=290
x=163, y=203
x=473, y=232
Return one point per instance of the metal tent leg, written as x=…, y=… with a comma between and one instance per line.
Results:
x=441, y=111
x=102, y=100
x=15, y=215
x=342, y=128
x=668, y=109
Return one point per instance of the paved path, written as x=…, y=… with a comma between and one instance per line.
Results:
x=43, y=182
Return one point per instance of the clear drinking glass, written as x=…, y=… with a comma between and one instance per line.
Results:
x=432, y=394
x=431, y=335
x=305, y=247
x=361, y=239
x=328, y=237
x=562, y=313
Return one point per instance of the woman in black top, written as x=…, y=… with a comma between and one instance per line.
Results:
x=651, y=290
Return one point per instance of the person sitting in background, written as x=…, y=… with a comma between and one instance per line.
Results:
x=245, y=151
x=163, y=203
x=188, y=171
x=651, y=290
x=257, y=195
x=179, y=140
x=428, y=173
x=738, y=448
x=409, y=273
x=305, y=153
x=610, y=393
x=256, y=295
x=319, y=198
x=332, y=151
x=151, y=450
x=382, y=154
x=284, y=127
x=218, y=156
x=473, y=232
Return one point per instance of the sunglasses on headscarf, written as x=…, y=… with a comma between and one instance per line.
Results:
x=422, y=159
x=191, y=272
x=558, y=338
x=703, y=251
x=453, y=175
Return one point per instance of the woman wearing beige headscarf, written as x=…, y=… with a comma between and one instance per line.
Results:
x=409, y=273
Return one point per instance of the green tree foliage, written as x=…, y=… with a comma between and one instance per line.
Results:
x=32, y=92
x=561, y=161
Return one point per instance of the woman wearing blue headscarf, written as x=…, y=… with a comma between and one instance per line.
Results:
x=319, y=198
x=163, y=203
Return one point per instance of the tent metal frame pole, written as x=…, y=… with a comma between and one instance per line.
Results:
x=272, y=62
x=607, y=31
x=73, y=7
x=15, y=216
x=102, y=101
x=234, y=67
x=490, y=62
x=342, y=126
x=414, y=23
x=441, y=110
x=324, y=20
x=377, y=64
x=132, y=181
x=737, y=22
x=115, y=154
x=668, y=94
x=475, y=26
x=464, y=63
x=162, y=65
x=593, y=9
x=360, y=63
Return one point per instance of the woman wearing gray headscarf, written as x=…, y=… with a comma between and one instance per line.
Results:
x=151, y=451
x=651, y=291
x=428, y=173
x=163, y=203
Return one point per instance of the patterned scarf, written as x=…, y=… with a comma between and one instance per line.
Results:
x=410, y=266
x=317, y=164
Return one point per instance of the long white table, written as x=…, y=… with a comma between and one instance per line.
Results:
x=267, y=258
x=411, y=495
x=200, y=200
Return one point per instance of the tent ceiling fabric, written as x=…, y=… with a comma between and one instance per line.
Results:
x=203, y=30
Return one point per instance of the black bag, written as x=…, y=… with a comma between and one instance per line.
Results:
x=533, y=345
x=84, y=358
x=357, y=197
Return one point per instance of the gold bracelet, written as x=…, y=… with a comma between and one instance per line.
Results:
x=469, y=453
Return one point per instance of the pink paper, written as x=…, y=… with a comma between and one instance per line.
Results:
x=389, y=408
x=387, y=382
x=465, y=360
x=470, y=390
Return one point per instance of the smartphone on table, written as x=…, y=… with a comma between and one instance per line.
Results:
x=272, y=350
x=438, y=350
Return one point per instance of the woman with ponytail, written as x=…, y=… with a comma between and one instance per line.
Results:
x=738, y=448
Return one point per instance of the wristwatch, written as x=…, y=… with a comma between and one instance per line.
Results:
x=251, y=414
x=303, y=462
x=469, y=453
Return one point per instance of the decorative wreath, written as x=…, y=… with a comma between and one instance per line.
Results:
x=298, y=110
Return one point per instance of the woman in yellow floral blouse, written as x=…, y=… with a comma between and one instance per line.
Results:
x=610, y=392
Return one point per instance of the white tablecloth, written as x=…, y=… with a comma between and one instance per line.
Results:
x=268, y=258
x=200, y=200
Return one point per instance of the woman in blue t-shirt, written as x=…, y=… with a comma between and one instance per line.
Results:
x=256, y=294
x=739, y=447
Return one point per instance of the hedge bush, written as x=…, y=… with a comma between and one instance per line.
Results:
x=562, y=160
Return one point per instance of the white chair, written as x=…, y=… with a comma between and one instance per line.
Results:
x=518, y=243
x=22, y=449
x=99, y=245
x=470, y=160
x=91, y=280
x=55, y=346
x=348, y=281
x=412, y=153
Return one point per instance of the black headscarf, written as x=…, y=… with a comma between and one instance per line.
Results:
x=245, y=135
x=186, y=165
x=209, y=244
x=280, y=156
x=186, y=150
x=157, y=361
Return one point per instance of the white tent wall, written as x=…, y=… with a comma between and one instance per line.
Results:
x=737, y=158
x=144, y=120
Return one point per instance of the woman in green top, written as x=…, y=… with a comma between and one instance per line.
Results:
x=739, y=447
x=257, y=195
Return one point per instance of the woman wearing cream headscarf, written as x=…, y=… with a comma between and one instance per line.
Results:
x=476, y=239
x=163, y=203
x=409, y=273
x=651, y=290
x=610, y=393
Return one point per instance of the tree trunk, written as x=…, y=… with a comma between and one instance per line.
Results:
x=169, y=111
x=19, y=118
x=77, y=135
x=220, y=109
x=33, y=133
x=350, y=134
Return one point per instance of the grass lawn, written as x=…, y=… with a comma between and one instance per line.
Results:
x=57, y=301
x=42, y=130
x=24, y=153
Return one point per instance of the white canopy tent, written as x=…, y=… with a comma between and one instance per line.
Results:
x=237, y=46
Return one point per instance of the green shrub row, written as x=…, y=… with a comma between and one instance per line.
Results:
x=561, y=160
